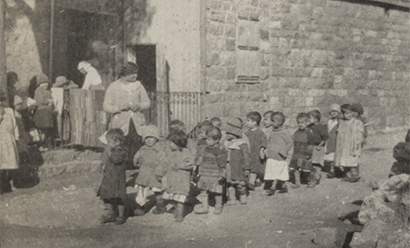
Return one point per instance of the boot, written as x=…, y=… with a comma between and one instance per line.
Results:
x=242, y=199
x=139, y=211
x=218, y=205
x=331, y=173
x=110, y=216
x=296, y=176
x=312, y=180
x=202, y=208
x=318, y=174
x=231, y=196
x=283, y=189
x=179, y=212
x=242, y=194
x=160, y=205
x=251, y=182
x=121, y=218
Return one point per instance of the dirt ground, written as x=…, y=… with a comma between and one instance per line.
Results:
x=53, y=214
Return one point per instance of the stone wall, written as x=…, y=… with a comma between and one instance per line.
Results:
x=312, y=53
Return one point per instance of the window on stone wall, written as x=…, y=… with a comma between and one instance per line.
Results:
x=247, y=51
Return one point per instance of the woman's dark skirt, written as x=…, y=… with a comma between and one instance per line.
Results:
x=44, y=118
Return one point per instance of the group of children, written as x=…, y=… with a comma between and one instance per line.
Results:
x=225, y=164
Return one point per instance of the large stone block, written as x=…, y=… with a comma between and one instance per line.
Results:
x=215, y=28
x=230, y=30
x=215, y=72
x=227, y=58
x=214, y=98
x=230, y=73
x=230, y=44
x=212, y=58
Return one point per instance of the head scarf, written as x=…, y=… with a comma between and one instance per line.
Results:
x=84, y=65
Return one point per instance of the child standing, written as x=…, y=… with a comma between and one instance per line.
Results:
x=217, y=122
x=267, y=123
x=177, y=172
x=279, y=144
x=330, y=148
x=257, y=142
x=349, y=144
x=302, y=150
x=359, y=111
x=212, y=172
x=176, y=125
x=24, y=138
x=112, y=189
x=149, y=158
x=320, y=137
x=44, y=114
x=238, y=169
x=200, y=146
x=401, y=153
x=9, y=160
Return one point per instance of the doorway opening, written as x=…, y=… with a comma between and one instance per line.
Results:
x=145, y=57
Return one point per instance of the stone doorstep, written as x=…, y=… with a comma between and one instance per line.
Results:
x=72, y=167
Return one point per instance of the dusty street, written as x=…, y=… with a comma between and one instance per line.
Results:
x=52, y=214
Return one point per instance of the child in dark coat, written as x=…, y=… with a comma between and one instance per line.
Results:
x=112, y=189
x=257, y=142
x=44, y=114
x=199, y=147
x=330, y=148
x=149, y=159
x=177, y=171
x=212, y=172
x=401, y=153
x=320, y=136
x=302, y=150
x=239, y=167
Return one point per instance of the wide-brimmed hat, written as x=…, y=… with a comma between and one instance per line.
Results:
x=42, y=78
x=335, y=107
x=234, y=126
x=358, y=108
x=150, y=131
x=60, y=81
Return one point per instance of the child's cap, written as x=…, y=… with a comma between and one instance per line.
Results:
x=335, y=107
x=150, y=131
x=42, y=78
x=358, y=108
x=60, y=81
x=234, y=126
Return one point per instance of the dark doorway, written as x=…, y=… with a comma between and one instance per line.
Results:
x=146, y=60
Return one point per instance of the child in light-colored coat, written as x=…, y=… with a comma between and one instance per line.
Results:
x=349, y=144
x=149, y=158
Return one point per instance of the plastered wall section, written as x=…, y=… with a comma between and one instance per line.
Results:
x=312, y=53
x=173, y=25
x=27, y=39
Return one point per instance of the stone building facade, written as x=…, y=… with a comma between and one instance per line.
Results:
x=242, y=55
x=312, y=53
